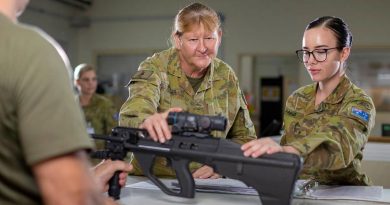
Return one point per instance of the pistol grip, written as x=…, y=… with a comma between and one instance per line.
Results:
x=184, y=176
x=114, y=189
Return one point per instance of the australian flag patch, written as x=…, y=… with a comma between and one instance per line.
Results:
x=360, y=114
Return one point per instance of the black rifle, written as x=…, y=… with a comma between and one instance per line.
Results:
x=273, y=176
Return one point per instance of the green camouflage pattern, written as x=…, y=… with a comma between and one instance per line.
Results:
x=330, y=137
x=160, y=84
x=100, y=115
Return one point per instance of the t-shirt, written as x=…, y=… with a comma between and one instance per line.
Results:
x=40, y=118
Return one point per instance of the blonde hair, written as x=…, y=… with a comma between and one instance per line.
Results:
x=194, y=15
x=82, y=68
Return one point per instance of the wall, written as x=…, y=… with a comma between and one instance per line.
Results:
x=376, y=163
x=269, y=27
x=54, y=18
x=250, y=26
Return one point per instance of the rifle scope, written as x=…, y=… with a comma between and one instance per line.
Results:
x=187, y=122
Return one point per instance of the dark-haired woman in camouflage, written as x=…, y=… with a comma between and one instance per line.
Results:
x=328, y=122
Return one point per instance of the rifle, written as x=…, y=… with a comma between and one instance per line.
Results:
x=273, y=176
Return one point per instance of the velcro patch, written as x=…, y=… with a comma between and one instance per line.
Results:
x=142, y=74
x=360, y=114
x=291, y=112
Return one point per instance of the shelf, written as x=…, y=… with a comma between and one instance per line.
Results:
x=379, y=139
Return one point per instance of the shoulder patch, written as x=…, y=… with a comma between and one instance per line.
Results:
x=140, y=75
x=143, y=74
x=291, y=112
x=360, y=114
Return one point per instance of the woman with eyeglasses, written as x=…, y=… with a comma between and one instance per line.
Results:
x=187, y=77
x=329, y=121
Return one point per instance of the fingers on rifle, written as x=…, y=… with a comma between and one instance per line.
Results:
x=250, y=147
x=166, y=133
x=173, y=109
x=176, y=109
x=250, y=144
x=255, y=150
x=122, y=166
x=159, y=134
x=157, y=125
x=215, y=176
x=122, y=178
x=150, y=128
x=274, y=149
x=264, y=148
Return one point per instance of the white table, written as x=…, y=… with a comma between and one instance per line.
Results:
x=132, y=196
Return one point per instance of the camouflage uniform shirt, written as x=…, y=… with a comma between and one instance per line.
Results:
x=100, y=114
x=100, y=117
x=161, y=84
x=332, y=135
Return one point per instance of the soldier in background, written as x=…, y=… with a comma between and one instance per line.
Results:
x=187, y=77
x=328, y=122
x=99, y=111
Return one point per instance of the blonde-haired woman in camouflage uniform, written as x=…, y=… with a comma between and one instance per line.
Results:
x=187, y=77
x=99, y=112
x=328, y=122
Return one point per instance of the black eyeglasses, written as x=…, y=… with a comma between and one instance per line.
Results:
x=319, y=55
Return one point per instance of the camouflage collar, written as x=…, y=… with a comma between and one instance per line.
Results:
x=174, y=64
x=94, y=99
x=339, y=92
x=335, y=97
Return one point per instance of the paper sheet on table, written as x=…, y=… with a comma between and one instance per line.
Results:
x=231, y=186
x=222, y=185
x=225, y=186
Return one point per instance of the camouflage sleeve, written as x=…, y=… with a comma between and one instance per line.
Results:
x=144, y=95
x=338, y=140
x=283, y=140
x=242, y=130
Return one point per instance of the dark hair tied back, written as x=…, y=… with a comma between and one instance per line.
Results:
x=338, y=26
